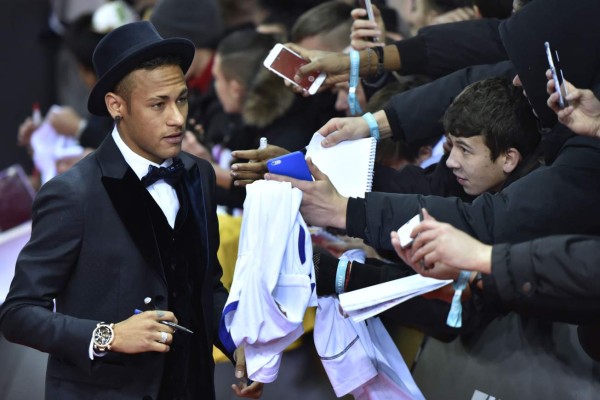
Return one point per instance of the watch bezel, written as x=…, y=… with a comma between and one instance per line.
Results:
x=107, y=338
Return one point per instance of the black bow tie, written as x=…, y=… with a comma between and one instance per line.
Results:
x=171, y=174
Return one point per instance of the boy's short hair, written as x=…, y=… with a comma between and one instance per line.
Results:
x=242, y=53
x=499, y=111
x=323, y=19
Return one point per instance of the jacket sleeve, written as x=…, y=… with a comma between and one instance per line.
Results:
x=417, y=113
x=43, y=270
x=439, y=50
x=375, y=216
x=556, y=277
x=437, y=180
x=560, y=199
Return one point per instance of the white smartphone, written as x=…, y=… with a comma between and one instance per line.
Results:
x=406, y=229
x=369, y=8
x=555, y=77
x=285, y=63
x=366, y=4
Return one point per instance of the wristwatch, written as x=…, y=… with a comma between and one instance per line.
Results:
x=103, y=336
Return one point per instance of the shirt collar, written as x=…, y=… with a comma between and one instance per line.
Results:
x=138, y=164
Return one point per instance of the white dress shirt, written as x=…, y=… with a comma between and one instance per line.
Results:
x=163, y=193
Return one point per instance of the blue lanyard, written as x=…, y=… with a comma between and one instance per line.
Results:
x=352, y=85
x=455, y=315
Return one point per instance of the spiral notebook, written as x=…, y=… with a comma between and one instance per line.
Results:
x=349, y=164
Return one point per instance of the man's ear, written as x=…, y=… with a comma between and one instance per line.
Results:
x=115, y=104
x=512, y=158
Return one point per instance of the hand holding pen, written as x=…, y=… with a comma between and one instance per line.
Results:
x=176, y=327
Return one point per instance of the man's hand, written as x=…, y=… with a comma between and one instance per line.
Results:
x=335, y=65
x=246, y=173
x=26, y=129
x=582, y=115
x=142, y=332
x=64, y=120
x=440, y=251
x=321, y=205
x=244, y=387
x=339, y=129
x=363, y=31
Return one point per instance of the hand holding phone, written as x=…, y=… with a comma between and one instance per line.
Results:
x=285, y=63
x=366, y=4
x=557, y=76
x=292, y=165
x=406, y=229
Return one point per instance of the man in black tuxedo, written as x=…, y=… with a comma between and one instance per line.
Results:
x=126, y=240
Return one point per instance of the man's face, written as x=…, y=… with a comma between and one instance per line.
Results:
x=154, y=120
x=226, y=89
x=470, y=162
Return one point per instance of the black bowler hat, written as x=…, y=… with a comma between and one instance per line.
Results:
x=123, y=49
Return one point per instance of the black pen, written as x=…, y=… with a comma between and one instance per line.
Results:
x=168, y=323
x=173, y=325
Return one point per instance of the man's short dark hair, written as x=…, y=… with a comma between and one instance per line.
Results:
x=323, y=19
x=242, y=54
x=499, y=111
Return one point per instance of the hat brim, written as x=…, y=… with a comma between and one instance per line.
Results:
x=180, y=47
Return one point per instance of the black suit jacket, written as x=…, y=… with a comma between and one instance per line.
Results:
x=94, y=251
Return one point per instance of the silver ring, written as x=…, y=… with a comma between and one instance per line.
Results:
x=163, y=337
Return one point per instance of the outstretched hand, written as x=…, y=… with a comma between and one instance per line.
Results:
x=335, y=65
x=339, y=129
x=321, y=205
x=582, y=115
x=440, y=251
x=245, y=173
x=363, y=31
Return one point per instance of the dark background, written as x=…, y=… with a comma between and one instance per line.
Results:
x=26, y=71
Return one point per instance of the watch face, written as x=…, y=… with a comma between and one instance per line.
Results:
x=102, y=335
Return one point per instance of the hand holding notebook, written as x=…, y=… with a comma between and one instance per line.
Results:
x=349, y=164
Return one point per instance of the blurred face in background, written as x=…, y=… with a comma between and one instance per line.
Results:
x=417, y=13
x=229, y=91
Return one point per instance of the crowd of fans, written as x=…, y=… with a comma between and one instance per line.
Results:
x=470, y=132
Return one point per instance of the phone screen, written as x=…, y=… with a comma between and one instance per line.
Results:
x=287, y=63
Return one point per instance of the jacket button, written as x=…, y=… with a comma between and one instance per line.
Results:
x=526, y=288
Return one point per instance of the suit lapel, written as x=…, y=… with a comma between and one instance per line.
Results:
x=127, y=195
x=194, y=186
